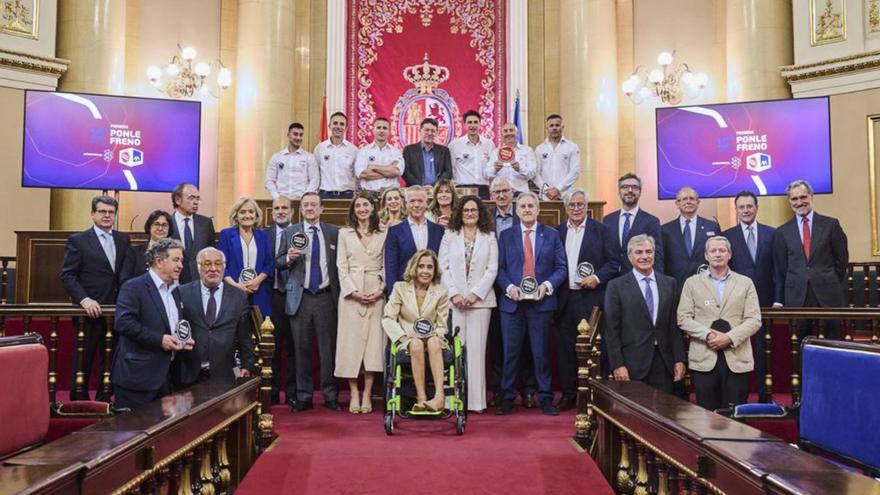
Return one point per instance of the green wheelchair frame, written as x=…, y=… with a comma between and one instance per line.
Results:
x=454, y=386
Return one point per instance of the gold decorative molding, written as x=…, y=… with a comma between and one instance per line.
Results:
x=51, y=66
x=20, y=18
x=828, y=26
x=831, y=67
x=873, y=156
x=872, y=17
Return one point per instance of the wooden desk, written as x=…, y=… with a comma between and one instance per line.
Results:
x=49, y=479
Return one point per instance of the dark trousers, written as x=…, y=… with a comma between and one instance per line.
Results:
x=95, y=330
x=130, y=399
x=526, y=323
x=283, y=339
x=831, y=328
x=318, y=313
x=335, y=194
x=526, y=373
x=720, y=387
x=578, y=306
x=658, y=375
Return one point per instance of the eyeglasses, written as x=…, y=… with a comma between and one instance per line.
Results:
x=576, y=206
x=630, y=187
x=209, y=264
x=161, y=225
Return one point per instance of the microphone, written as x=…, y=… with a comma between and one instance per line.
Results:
x=131, y=225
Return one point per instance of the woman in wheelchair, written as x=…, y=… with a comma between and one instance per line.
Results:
x=415, y=317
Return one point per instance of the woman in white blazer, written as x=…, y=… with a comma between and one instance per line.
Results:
x=469, y=263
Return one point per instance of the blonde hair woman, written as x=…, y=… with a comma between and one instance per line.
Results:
x=249, y=259
x=392, y=207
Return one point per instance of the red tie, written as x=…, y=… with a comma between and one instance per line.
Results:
x=529, y=255
x=806, y=225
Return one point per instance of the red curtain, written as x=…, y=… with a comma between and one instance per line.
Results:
x=453, y=50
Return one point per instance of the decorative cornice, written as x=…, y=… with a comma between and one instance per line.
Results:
x=831, y=67
x=51, y=66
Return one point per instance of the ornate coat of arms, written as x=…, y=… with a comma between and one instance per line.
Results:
x=425, y=100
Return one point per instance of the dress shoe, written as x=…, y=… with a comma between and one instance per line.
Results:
x=566, y=403
x=332, y=405
x=494, y=401
x=300, y=406
x=292, y=403
x=505, y=408
x=548, y=409
x=528, y=401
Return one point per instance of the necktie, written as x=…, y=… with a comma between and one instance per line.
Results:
x=109, y=249
x=626, y=226
x=751, y=243
x=281, y=250
x=211, y=311
x=688, y=239
x=649, y=297
x=315, y=262
x=806, y=225
x=528, y=256
x=187, y=235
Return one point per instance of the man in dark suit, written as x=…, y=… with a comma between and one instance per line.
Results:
x=147, y=312
x=641, y=331
x=283, y=339
x=752, y=246
x=630, y=220
x=312, y=287
x=426, y=162
x=91, y=273
x=219, y=315
x=405, y=238
x=591, y=259
x=811, y=258
x=195, y=231
x=684, y=239
x=529, y=254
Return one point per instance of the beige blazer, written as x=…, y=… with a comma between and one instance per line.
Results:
x=699, y=307
x=402, y=310
x=479, y=278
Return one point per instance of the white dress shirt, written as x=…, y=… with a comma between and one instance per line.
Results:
x=109, y=245
x=534, y=233
x=336, y=162
x=292, y=173
x=372, y=154
x=307, y=255
x=800, y=224
x=469, y=160
x=745, y=228
x=654, y=292
x=632, y=220
x=573, y=240
x=419, y=233
x=166, y=294
x=558, y=166
x=179, y=220
x=206, y=293
x=519, y=181
x=682, y=223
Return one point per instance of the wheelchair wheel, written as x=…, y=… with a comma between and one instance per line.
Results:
x=460, y=421
x=389, y=424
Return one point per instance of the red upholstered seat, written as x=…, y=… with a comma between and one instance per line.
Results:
x=24, y=403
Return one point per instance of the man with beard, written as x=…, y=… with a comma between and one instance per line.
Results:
x=630, y=221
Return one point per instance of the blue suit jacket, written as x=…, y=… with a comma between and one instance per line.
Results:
x=400, y=246
x=761, y=271
x=230, y=244
x=644, y=223
x=139, y=362
x=599, y=248
x=549, y=264
x=677, y=263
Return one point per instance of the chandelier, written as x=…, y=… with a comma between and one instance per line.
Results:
x=182, y=78
x=667, y=83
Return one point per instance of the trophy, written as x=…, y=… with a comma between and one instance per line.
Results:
x=299, y=241
x=506, y=154
x=585, y=269
x=182, y=332
x=423, y=327
x=528, y=288
x=247, y=275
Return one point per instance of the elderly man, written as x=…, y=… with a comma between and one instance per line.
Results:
x=379, y=164
x=517, y=167
x=293, y=170
x=426, y=162
x=630, y=220
x=470, y=154
x=719, y=311
x=336, y=157
x=531, y=268
x=591, y=259
x=642, y=337
x=281, y=215
x=195, y=231
x=559, y=161
x=405, y=238
x=148, y=310
x=685, y=237
x=219, y=315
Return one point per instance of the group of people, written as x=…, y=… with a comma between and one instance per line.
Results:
x=406, y=256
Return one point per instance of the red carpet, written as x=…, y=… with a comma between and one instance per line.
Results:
x=325, y=452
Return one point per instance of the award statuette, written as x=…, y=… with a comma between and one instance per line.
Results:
x=299, y=241
x=528, y=288
x=423, y=327
x=585, y=269
x=247, y=275
x=506, y=154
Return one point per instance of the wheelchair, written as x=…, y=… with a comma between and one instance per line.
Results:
x=400, y=391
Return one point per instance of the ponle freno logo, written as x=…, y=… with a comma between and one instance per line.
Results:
x=131, y=157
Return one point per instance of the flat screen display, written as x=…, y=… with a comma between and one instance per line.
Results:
x=761, y=146
x=85, y=141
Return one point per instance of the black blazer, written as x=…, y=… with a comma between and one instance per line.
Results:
x=139, y=362
x=629, y=333
x=761, y=271
x=215, y=343
x=644, y=223
x=598, y=248
x=203, y=236
x=677, y=263
x=86, y=271
x=826, y=269
x=414, y=166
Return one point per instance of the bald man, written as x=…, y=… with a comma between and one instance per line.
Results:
x=518, y=169
x=684, y=239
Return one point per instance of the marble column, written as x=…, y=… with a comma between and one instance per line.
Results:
x=588, y=90
x=759, y=41
x=91, y=33
x=263, y=96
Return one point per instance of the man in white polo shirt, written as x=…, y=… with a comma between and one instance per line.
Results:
x=336, y=160
x=292, y=171
x=518, y=169
x=379, y=165
x=470, y=155
x=559, y=161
